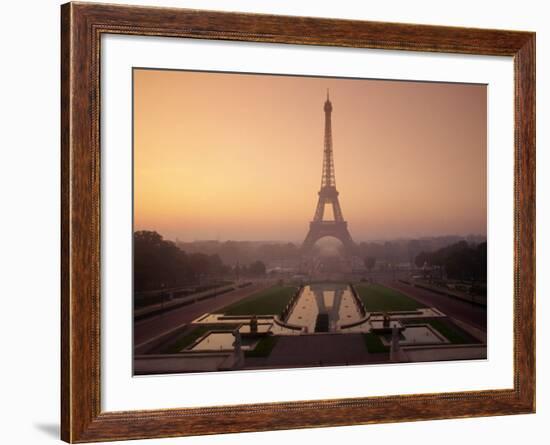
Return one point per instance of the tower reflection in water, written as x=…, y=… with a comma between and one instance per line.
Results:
x=324, y=307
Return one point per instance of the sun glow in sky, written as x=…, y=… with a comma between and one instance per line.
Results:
x=239, y=156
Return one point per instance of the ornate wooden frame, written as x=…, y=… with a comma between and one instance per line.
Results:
x=81, y=28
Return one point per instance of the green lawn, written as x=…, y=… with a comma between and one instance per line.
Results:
x=374, y=344
x=267, y=302
x=378, y=298
x=188, y=337
x=263, y=348
x=448, y=329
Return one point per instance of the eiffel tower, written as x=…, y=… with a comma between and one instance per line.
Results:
x=337, y=228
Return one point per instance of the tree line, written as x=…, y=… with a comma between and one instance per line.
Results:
x=244, y=252
x=406, y=250
x=461, y=261
x=160, y=263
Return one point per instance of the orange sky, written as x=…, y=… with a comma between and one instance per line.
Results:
x=236, y=156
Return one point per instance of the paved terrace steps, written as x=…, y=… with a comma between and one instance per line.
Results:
x=320, y=349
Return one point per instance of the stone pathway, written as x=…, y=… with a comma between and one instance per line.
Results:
x=318, y=350
x=154, y=326
x=466, y=312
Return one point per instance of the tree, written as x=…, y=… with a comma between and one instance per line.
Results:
x=370, y=262
x=257, y=268
x=460, y=260
x=160, y=263
x=421, y=259
x=157, y=263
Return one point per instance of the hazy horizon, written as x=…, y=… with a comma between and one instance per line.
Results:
x=239, y=156
x=371, y=240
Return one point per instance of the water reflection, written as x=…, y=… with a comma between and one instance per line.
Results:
x=222, y=341
x=413, y=335
x=324, y=308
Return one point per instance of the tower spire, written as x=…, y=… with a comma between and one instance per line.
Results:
x=328, y=193
x=327, y=177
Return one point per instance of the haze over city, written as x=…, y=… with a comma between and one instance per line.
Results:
x=233, y=156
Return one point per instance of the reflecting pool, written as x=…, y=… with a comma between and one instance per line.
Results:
x=222, y=341
x=324, y=308
x=417, y=335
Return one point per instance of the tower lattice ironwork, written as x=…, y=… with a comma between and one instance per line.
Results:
x=328, y=195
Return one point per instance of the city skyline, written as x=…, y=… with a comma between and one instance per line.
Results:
x=238, y=156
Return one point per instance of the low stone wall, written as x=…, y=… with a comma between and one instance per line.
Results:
x=183, y=362
x=358, y=301
x=157, y=309
x=153, y=343
x=445, y=352
x=356, y=323
x=244, y=317
x=282, y=323
x=290, y=305
x=473, y=299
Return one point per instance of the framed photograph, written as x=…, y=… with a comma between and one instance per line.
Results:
x=274, y=222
